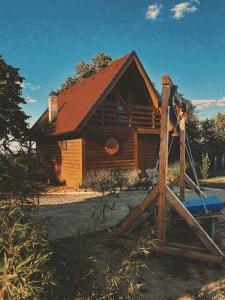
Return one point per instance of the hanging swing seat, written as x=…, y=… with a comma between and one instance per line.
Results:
x=200, y=205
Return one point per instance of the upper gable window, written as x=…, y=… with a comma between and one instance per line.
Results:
x=120, y=108
x=122, y=115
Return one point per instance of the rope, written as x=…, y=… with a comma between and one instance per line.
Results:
x=195, y=172
x=189, y=152
x=171, y=143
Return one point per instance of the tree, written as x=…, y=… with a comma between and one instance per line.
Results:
x=209, y=140
x=84, y=70
x=219, y=128
x=71, y=80
x=24, y=252
x=193, y=129
x=100, y=61
x=213, y=137
x=13, y=121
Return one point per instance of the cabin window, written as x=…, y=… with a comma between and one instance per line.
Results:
x=112, y=146
x=64, y=145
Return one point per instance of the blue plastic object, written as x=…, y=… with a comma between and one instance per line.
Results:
x=196, y=205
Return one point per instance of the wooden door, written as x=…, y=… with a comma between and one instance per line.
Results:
x=148, y=146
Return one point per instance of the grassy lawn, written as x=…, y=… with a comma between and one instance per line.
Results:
x=215, y=180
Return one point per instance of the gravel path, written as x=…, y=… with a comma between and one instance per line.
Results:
x=70, y=213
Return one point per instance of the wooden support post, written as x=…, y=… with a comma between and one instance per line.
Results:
x=163, y=159
x=182, y=155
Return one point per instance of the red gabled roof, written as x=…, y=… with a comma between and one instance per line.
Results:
x=76, y=104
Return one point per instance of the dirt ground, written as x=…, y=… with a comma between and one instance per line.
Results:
x=175, y=278
x=68, y=213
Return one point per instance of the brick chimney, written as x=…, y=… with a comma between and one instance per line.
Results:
x=52, y=107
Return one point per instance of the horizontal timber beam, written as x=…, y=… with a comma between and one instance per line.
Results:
x=148, y=131
x=191, y=254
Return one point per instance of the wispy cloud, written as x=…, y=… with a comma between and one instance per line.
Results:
x=201, y=104
x=153, y=11
x=184, y=8
x=30, y=86
x=30, y=100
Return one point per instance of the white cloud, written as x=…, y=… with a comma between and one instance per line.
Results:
x=30, y=86
x=30, y=100
x=183, y=8
x=153, y=11
x=201, y=104
x=221, y=102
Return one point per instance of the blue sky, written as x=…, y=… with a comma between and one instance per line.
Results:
x=185, y=39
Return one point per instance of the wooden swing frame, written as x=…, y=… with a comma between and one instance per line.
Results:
x=163, y=192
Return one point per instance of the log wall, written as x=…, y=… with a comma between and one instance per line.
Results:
x=98, y=158
x=61, y=165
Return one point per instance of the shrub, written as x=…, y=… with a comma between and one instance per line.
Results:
x=205, y=166
x=101, y=180
x=109, y=180
x=132, y=179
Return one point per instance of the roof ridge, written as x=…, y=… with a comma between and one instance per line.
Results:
x=90, y=92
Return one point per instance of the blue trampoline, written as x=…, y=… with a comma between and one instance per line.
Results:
x=204, y=205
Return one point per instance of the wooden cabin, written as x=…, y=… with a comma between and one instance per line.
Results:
x=109, y=120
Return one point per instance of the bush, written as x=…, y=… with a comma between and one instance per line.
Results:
x=132, y=179
x=18, y=175
x=102, y=180
x=109, y=180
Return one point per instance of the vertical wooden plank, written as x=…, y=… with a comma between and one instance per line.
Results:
x=80, y=160
x=182, y=155
x=163, y=160
x=83, y=165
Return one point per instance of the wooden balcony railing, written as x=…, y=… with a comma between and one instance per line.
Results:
x=138, y=117
x=144, y=116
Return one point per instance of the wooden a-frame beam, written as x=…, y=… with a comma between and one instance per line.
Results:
x=135, y=213
x=163, y=192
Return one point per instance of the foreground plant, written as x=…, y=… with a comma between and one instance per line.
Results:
x=24, y=254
